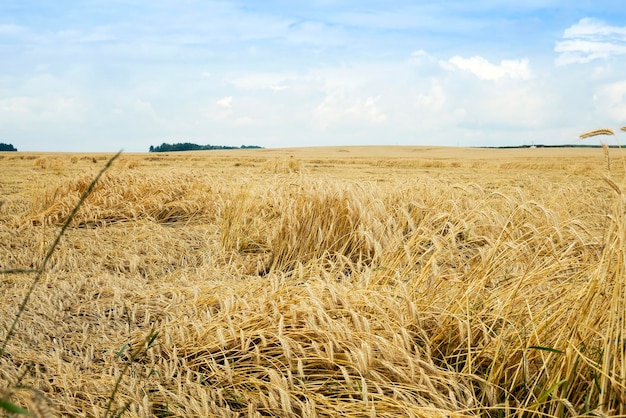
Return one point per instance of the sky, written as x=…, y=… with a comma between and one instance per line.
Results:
x=105, y=75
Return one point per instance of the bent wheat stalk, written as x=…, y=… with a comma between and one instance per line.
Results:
x=596, y=133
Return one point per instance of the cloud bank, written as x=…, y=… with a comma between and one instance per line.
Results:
x=100, y=76
x=590, y=39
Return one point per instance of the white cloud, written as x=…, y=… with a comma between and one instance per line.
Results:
x=419, y=53
x=317, y=34
x=25, y=120
x=144, y=107
x=483, y=69
x=610, y=100
x=263, y=81
x=434, y=99
x=588, y=40
x=374, y=113
x=512, y=107
x=339, y=109
x=244, y=120
x=594, y=29
x=225, y=102
x=17, y=104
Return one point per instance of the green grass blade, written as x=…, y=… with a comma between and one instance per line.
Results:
x=12, y=408
x=550, y=349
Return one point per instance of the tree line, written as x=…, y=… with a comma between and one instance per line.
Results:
x=187, y=146
x=7, y=147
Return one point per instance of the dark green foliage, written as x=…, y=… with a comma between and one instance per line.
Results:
x=7, y=147
x=187, y=146
x=550, y=146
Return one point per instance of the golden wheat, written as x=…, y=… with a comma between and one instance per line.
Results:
x=360, y=288
x=596, y=133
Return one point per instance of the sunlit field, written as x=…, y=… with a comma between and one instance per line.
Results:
x=353, y=281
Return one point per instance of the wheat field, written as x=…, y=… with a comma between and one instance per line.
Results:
x=355, y=281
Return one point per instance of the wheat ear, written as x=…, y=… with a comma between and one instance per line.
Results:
x=596, y=133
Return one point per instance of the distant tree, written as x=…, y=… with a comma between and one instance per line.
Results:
x=7, y=147
x=187, y=146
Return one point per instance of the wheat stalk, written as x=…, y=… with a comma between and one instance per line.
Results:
x=607, y=157
x=596, y=133
x=613, y=185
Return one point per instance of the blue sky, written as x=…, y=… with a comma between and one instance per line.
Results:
x=102, y=75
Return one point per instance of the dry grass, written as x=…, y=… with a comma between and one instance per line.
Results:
x=345, y=283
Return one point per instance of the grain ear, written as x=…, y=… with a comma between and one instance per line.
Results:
x=596, y=133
